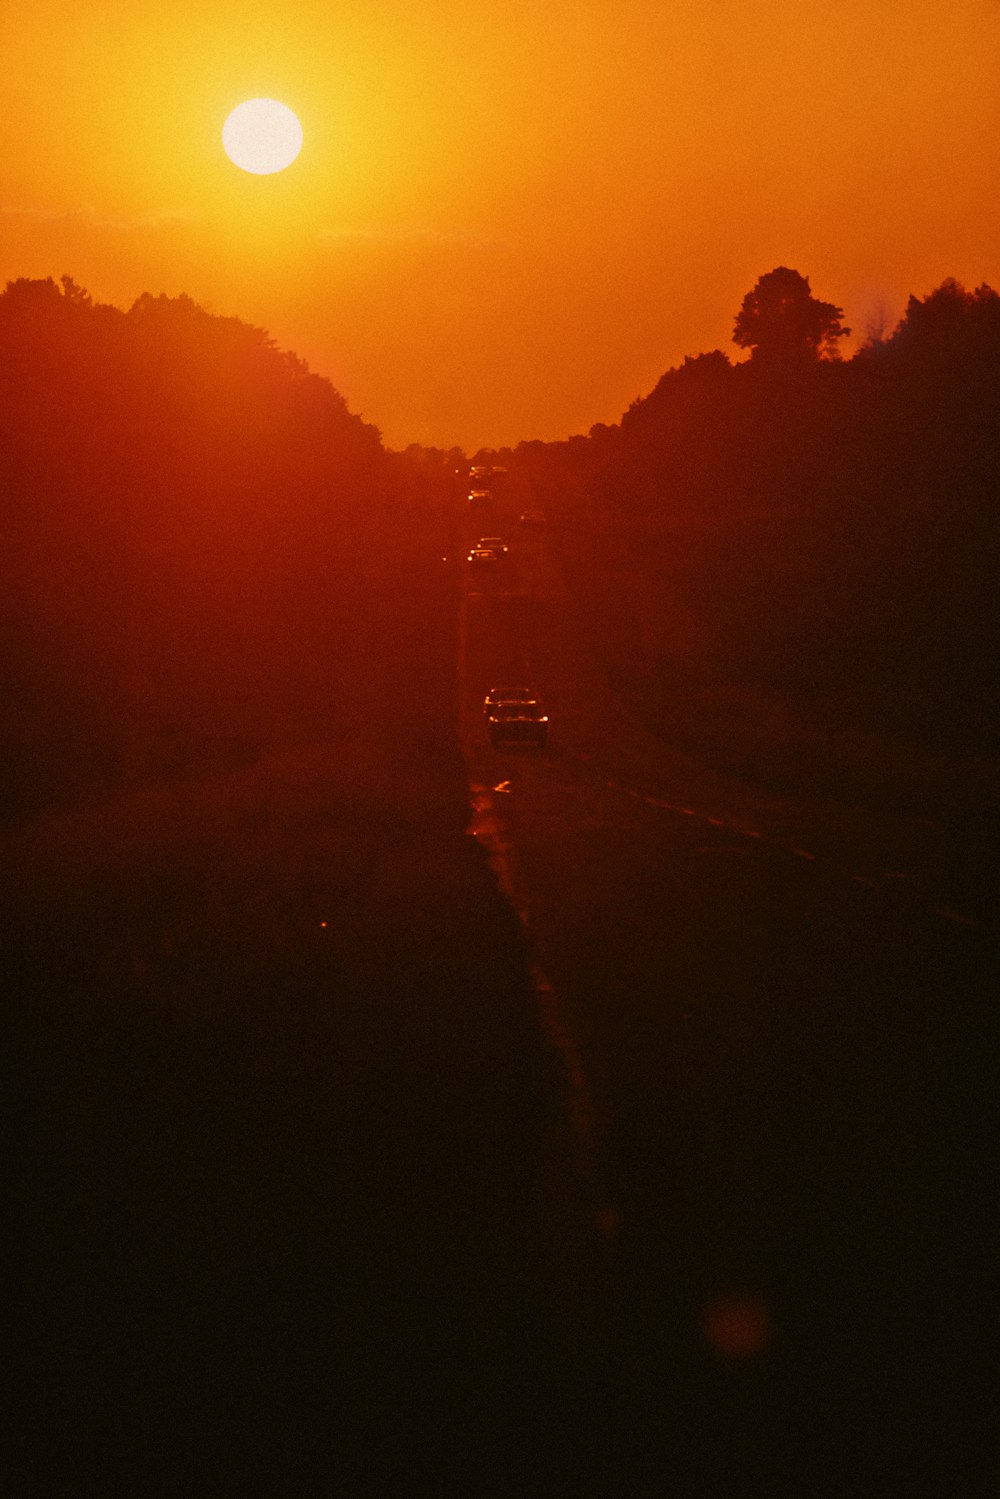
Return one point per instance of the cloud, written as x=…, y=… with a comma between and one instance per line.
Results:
x=408, y=234
x=87, y=217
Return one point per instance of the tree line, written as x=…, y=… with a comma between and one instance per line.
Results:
x=203, y=557
x=829, y=524
x=206, y=555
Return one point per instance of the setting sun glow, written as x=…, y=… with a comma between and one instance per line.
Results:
x=262, y=136
x=505, y=223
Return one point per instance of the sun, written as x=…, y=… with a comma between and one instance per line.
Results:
x=262, y=136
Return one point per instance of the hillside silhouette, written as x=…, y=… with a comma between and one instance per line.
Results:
x=801, y=529
x=204, y=551
x=208, y=553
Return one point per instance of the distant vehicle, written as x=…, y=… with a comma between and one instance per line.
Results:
x=482, y=556
x=517, y=721
x=493, y=544
x=500, y=695
x=479, y=499
x=531, y=518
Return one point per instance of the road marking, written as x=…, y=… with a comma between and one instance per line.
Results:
x=899, y=878
x=956, y=917
x=486, y=829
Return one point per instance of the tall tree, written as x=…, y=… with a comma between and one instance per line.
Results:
x=783, y=324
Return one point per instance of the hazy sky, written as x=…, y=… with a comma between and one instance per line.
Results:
x=507, y=220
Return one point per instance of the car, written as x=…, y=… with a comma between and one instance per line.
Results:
x=531, y=518
x=499, y=695
x=517, y=722
x=482, y=557
x=493, y=544
x=480, y=499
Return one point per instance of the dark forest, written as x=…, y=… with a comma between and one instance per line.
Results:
x=806, y=530
x=207, y=556
x=206, y=552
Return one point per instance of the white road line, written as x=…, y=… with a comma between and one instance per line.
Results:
x=661, y=804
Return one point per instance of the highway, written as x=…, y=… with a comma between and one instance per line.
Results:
x=776, y=1020
x=639, y=1143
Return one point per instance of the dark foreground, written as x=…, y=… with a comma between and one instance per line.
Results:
x=298, y=1208
x=278, y=1181
x=317, y=1191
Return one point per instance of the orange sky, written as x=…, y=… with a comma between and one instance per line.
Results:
x=506, y=220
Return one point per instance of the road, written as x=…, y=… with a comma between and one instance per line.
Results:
x=777, y=1023
x=662, y=1169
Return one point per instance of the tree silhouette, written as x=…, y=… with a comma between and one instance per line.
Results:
x=951, y=327
x=783, y=324
x=200, y=558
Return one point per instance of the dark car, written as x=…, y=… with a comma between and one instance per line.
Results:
x=498, y=695
x=517, y=721
x=494, y=544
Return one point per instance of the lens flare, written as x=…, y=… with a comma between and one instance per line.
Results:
x=737, y=1327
